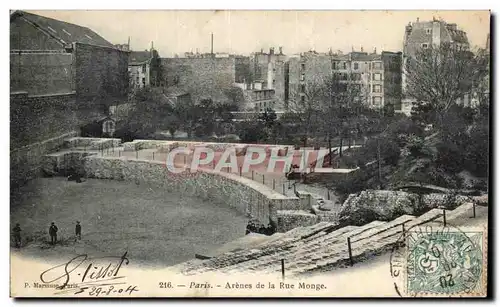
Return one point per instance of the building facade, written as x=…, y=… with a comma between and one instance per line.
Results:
x=56, y=59
x=378, y=75
x=426, y=34
x=270, y=69
x=63, y=77
x=205, y=77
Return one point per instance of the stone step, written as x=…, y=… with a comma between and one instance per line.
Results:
x=368, y=242
x=318, y=248
x=233, y=258
x=383, y=227
x=277, y=255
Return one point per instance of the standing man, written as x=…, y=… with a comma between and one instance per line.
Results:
x=17, y=235
x=53, y=233
x=78, y=231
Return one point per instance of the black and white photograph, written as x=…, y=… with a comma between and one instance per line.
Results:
x=249, y=153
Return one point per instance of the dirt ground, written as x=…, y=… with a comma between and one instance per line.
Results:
x=156, y=227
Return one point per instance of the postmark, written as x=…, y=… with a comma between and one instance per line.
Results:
x=439, y=260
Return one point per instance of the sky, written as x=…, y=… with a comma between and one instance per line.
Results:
x=243, y=32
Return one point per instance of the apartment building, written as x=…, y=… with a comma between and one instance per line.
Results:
x=378, y=75
x=425, y=34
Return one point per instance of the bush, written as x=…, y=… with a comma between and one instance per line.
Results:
x=415, y=145
x=477, y=151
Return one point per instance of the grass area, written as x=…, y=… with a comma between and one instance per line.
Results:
x=155, y=227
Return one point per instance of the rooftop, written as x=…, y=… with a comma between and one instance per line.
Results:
x=139, y=57
x=66, y=33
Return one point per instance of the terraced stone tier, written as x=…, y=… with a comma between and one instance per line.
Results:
x=91, y=143
x=233, y=258
x=322, y=247
x=369, y=243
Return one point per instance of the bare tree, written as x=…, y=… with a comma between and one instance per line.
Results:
x=342, y=99
x=305, y=105
x=440, y=75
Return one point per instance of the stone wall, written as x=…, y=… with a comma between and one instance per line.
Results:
x=100, y=73
x=165, y=146
x=26, y=162
x=41, y=73
x=249, y=197
x=202, y=77
x=384, y=205
x=91, y=143
x=290, y=219
x=37, y=118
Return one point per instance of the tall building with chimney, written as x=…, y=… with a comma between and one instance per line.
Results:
x=270, y=69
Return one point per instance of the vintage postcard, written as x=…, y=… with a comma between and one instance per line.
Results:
x=250, y=153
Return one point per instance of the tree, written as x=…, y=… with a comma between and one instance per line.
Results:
x=388, y=110
x=268, y=117
x=148, y=112
x=440, y=75
x=305, y=106
x=342, y=105
x=252, y=131
x=235, y=96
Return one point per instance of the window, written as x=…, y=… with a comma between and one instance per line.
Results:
x=144, y=68
x=356, y=66
x=335, y=65
x=302, y=77
x=377, y=101
x=144, y=81
x=376, y=77
x=302, y=88
x=356, y=76
x=344, y=65
x=425, y=46
x=302, y=99
x=428, y=31
x=303, y=66
x=377, y=65
x=377, y=88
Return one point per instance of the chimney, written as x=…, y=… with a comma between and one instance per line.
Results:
x=261, y=50
x=281, y=50
x=271, y=50
x=375, y=50
x=212, y=45
x=418, y=19
x=361, y=48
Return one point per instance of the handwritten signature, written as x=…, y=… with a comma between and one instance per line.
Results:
x=82, y=273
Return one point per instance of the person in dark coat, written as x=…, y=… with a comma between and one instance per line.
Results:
x=78, y=230
x=17, y=235
x=53, y=233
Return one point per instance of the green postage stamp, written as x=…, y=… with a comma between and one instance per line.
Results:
x=445, y=262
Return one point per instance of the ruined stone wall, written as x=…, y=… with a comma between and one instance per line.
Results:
x=26, y=161
x=290, y=219
x=249, y=197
